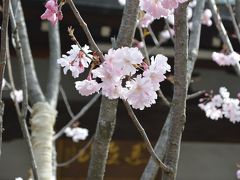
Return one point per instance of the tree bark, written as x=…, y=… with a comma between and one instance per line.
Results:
x=178, y=120
x=152, y=168
x=108, y=109
x=34, y=90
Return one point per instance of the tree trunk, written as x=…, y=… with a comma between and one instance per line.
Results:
x=108, y=109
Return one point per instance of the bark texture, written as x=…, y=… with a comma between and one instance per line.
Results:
x=108, y=109
x=42, y=121
x=178, y=120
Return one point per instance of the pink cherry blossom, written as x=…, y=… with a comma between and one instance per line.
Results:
x=76, y=60
x=170, y=4
x=226, y=60
x=141, y=93
x=87, y=87
x=146, y=20
x=157, y=69
x=52, y=13
x=206, y=17
x=154, y=8
x=126, y=58
x=221, y=105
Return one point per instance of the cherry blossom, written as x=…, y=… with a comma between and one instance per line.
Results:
x=17, y=95
x=157, y=69
x=165, y=35
x=145, y=20
x=154, y=8
x=52, y=12
x=76, y=61
x=226, y=60
x=76, y=133
x=221, y=105
x=206, y=17
x=141, y=93
x=87, y=87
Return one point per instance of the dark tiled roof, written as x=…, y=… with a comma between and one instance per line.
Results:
x=111, y=4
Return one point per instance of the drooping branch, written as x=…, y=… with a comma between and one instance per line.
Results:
x=108, y=108
x=54, y=69
x=3, y=55
x=151, y=169
x=145, y=138
x=23, y=113
x=34, y=91
x=222, y=31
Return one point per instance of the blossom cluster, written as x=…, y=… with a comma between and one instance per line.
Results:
x=123, y=74
x=221, y=105
x=53, y=12
x=76, y=133
x=226, y=60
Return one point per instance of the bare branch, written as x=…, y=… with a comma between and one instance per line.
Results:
x=85, y=28
x=22, y=115
x=195, y=95
x=236, y=28
x=34, y=91
x=145, y=138
x=77, y=116
x=54, y=69
x=65, y=100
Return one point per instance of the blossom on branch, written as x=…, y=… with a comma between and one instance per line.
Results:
x=76, y=133
x=226, y=60
x=52, y=13
x=76, y=61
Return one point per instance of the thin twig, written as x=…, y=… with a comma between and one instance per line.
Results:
x=85, y=28
x=22, y=115
x=163, y=98
x=154, y=38
x=65, y=100
x=145, y=138
x=236, y=28
x=194, y=95
x=144, y=45
x=77, y=116
x=169, y=30
x=79, y=153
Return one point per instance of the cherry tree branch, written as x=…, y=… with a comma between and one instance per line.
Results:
x=236, y=28
x=160, y=148
x=34, y=91
x=23, y=113
x=108, y=108
x=65, y=100
x=3, y=55
x=222, y=31
x=85, y=28
x=145, y=138
x=54, y=75
x=77, y=116
x=195, y=95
